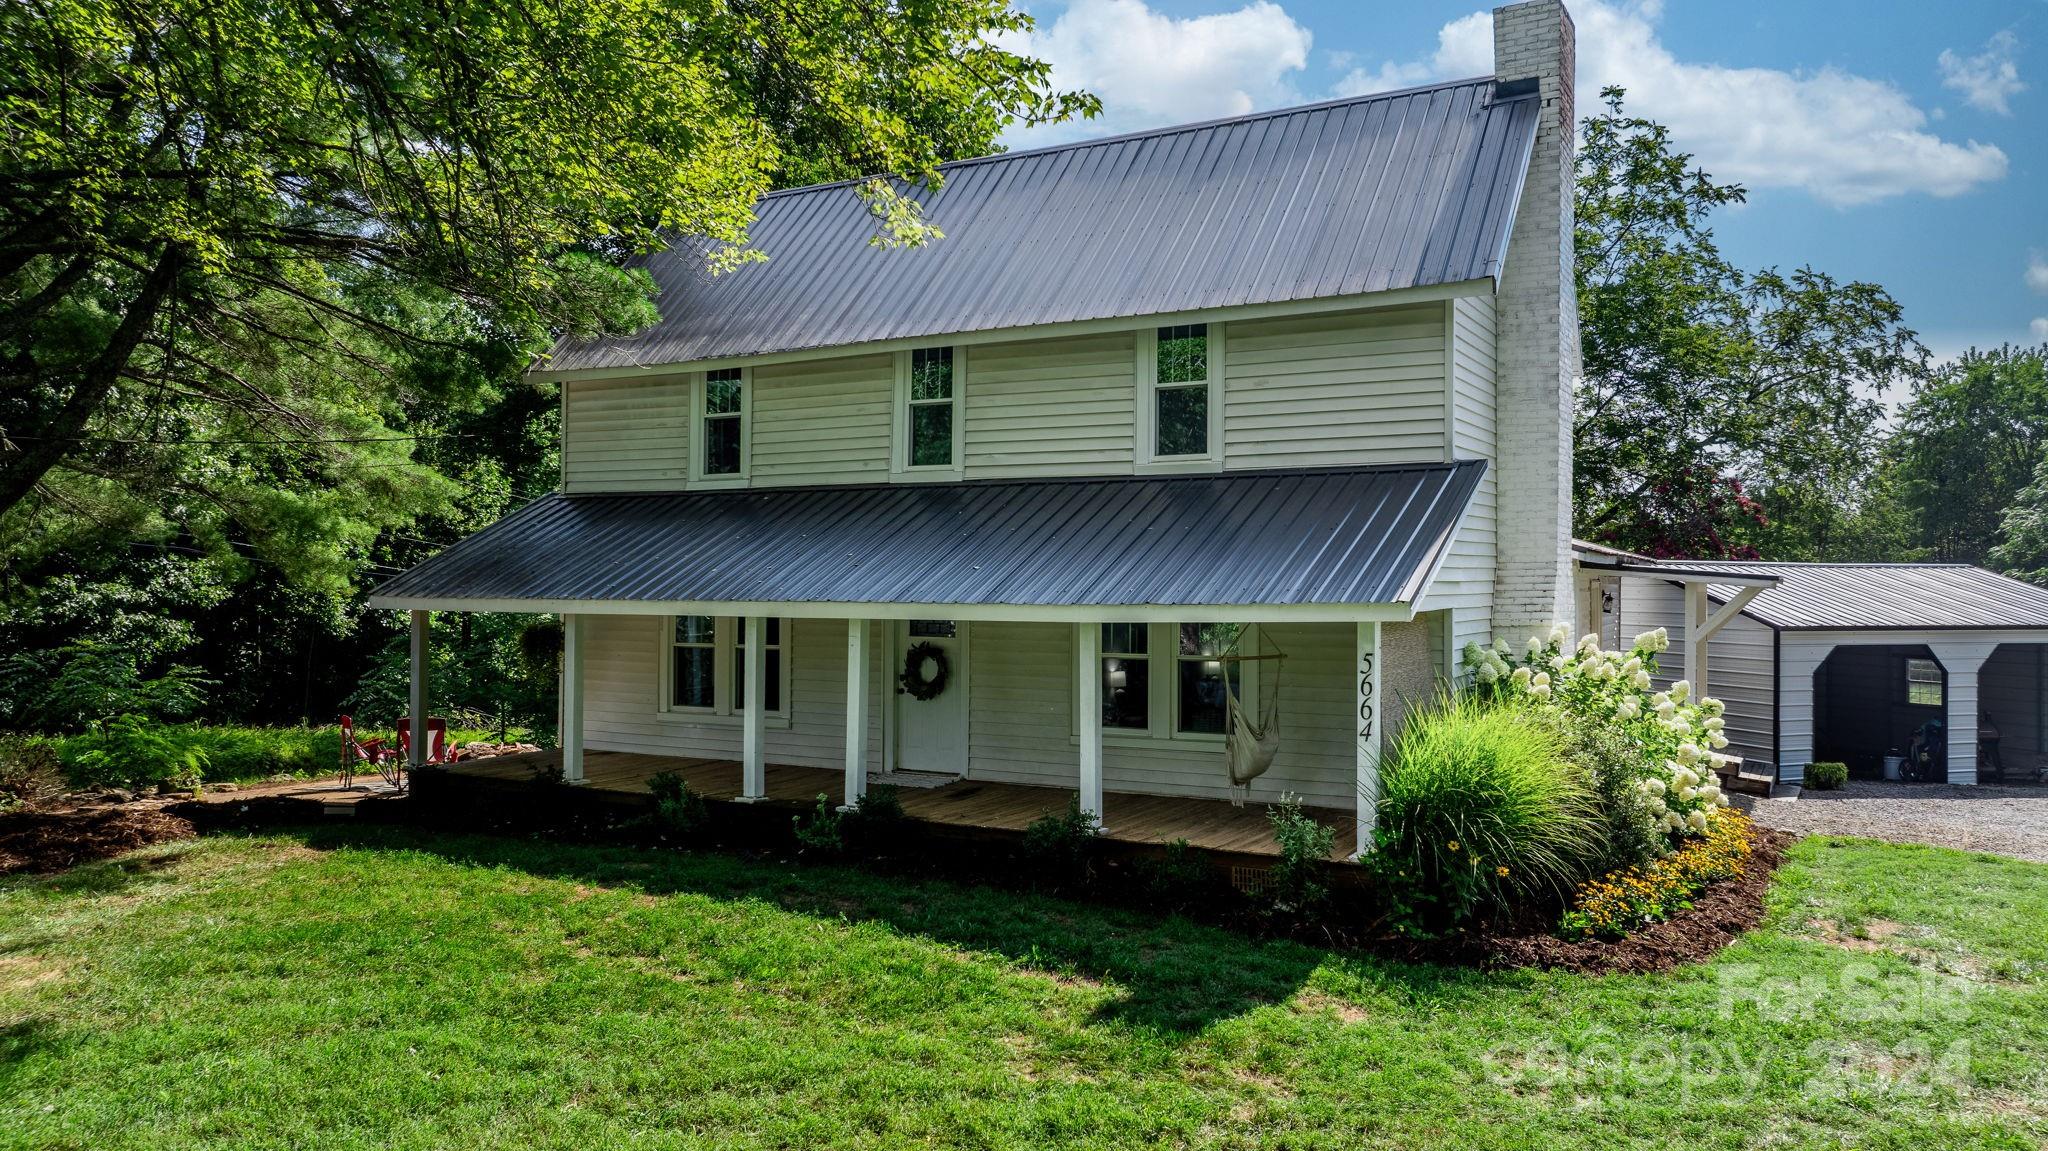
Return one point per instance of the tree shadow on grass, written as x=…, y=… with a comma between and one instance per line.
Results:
x=1175, y=977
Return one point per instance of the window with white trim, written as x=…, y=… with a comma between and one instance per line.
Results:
x=929, y=409
x=1201, y=703
x=705, y=666
x=1126, y=677
x=1166, y=681
x=722, y=424
x=1923, y=683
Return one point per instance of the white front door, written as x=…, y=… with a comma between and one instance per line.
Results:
x=931, y=734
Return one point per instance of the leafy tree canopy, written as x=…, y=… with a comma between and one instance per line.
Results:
x=259, y=258
x=1708, y=388
x=1970, y=441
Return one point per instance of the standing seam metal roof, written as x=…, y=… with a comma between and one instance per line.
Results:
x=1333, y=536
x=1371, y=194
x=1849, y=597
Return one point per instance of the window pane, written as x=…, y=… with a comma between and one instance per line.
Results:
x=1124, y=638
x=722, y=392
x=691, y=683
x=1923, y=683
x=1203, y=705
x=1126, y=692
x=931, y=435
x=932, y=629
x=739, y=679
x=722, y=446
x=931, y=374
x=1183, y=424
x=694, y=629
x=1208, y=638
x=1184, y=353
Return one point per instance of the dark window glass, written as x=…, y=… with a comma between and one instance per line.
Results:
x=1204, y=705
x=1184, y=354
x=772, y=632
x=690, y=679
x=1126, y=677
x=933, y=629
x=722, y=446
x=722, y=392
x=1183, y=421
x=931, y=434
x=931, y=374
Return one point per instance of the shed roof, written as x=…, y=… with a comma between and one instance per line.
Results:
x=1902, y=597
x=1395, y=190
x=1337, y=536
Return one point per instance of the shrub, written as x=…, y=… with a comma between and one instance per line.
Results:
x=1062, y=845
x=1177, y=879
x=678, y=811
x=822, y=830
x=1296, y=886
x=74, y=686
x=29, y=768
x=1479, y=809
x=876, y=820
x=245, y=753
x=1631, y=828
x=1621, y=901
x=133, y=751
x=1827, y=775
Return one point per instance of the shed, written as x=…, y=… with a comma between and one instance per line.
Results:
x=1846, y=661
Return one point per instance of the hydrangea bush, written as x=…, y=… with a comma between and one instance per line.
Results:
x=1680, y=737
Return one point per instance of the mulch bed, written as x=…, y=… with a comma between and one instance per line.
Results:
x=1722, y=912
x=62, y=836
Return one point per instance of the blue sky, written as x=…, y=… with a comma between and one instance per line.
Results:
x=1895, y=142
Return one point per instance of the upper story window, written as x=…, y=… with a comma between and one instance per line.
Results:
x=722, y=418
x=928, y=420
x=1181, y=394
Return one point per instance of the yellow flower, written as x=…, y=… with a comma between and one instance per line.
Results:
x=1501, y=871
x=1453, y=845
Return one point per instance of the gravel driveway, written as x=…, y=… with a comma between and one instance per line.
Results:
x=2003, y=820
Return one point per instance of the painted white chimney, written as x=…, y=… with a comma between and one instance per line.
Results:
x=1537, y=337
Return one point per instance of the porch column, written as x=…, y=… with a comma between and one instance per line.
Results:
x=1798, y=661
x=1702, y=624
x=856, y=711
x=418, y=700
x=1088, y=677
x=753, y=768
x=1961, y=660
x=572, y=699
x=1367, y=705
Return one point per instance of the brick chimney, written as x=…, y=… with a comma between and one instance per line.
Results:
x=1537, y=340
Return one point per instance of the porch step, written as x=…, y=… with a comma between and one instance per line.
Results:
x=1736, y=780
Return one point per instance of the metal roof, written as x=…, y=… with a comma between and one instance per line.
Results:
x=1395, y=190
x=1916, y=597
x=1337, y=536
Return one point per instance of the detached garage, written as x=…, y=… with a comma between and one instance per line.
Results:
x=1845, y=661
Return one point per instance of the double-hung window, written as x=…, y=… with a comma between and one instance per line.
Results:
x=721, y=422
x=704, y=666
x=1202, y=703
x=1180, y=416
x=928, y=424
x=1923, y=683
x=1126, y=677
x=1172, y=681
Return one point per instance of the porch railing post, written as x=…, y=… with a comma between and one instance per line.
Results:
x=1088, y=677
x=753, y=767
x=856, y=710
x=417, y=757
x=1368, y=707
x=571, y=727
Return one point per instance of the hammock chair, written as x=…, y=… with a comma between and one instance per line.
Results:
x=1249, y=747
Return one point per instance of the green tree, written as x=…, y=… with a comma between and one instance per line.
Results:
x=1714, y=400
x=243, y=243
x=1970, y=439
x=2023, y=553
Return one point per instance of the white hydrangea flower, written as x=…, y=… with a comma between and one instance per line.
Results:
x=1535, y=645
x=1540, y=690
x=1641, y=680
x=1697, y=821
x=1673, y=820
x=1681, y=689
x=1717, y=741
x=1714, y=723
x=1486, y=674
x=1688, y=754
x=1521, y=677
x=1559, y=633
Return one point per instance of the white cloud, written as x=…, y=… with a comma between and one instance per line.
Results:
x=1843, y=138
x=2039, y=327
x=1990, y=79
x=1152, y=69
x=2037, y=272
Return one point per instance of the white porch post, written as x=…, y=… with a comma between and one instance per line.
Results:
x=753, y=767
x=571, y=727
x=1702, y=625
x=856, y=710
x=1961, y=661
x=1088, y=677
x=417, y=758
x=1798, y=660
x=1367, y=705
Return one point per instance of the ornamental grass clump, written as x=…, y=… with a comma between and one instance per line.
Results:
x=1480, y=811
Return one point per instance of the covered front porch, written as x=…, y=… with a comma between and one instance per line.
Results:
x=973, y=805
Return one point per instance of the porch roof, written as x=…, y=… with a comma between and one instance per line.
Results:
x=1286, y=537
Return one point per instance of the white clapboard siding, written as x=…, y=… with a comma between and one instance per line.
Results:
x=622, y=685
x=1347, y=388
x=1465, y=583
x=822, y=421
x=1050, y=407
x=1741, y=662
x=625, y=436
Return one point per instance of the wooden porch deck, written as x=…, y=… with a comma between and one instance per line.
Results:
x=1212, y=824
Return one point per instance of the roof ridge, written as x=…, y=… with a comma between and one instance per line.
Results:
x=1165, y=130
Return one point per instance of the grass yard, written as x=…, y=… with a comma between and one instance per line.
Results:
x=383, y=987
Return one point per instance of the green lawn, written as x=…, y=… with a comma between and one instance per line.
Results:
x=366, y=987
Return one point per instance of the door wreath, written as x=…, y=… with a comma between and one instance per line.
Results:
x=925, y=670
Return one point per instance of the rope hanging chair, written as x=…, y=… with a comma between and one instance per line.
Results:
x=1248, y=745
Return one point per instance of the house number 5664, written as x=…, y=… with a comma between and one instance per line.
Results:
x=1365, y=700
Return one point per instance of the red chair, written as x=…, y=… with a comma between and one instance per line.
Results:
x=373, y=753
x=437, y=740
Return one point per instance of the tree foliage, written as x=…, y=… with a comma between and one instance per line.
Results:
x=1707, y=388
x=1970, y=442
